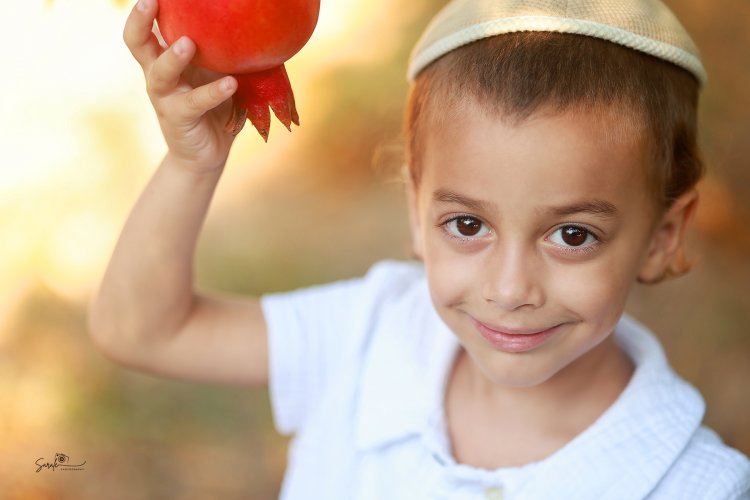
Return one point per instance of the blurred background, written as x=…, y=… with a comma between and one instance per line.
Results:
x=79, y=141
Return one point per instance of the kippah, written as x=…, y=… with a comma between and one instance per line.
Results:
x=644, y=25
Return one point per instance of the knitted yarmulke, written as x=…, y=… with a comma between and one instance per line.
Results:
x=644, y=25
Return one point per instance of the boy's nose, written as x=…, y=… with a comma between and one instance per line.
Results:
x=513, y=279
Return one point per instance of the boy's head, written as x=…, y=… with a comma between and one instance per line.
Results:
x=632, y=61
x=549, y=170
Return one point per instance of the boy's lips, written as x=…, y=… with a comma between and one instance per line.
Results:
x=515, y=339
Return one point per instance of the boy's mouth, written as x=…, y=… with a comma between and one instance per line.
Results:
x=514, y=340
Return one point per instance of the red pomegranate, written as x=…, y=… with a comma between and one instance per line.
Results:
x=250, y=39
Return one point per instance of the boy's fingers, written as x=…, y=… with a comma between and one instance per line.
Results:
x=203, y=99
x=166, y=70
x=137, y=33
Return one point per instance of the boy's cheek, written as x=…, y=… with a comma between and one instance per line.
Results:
x=595, y=292
x=450, y=276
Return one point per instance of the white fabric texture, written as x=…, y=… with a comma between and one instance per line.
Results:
x=357, y=374
x=644, y=25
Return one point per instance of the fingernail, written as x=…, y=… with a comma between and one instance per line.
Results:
x=227, y=84
x=143, y=5
x=180, y=46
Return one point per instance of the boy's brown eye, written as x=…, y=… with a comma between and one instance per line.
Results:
x=468, y=226
x=574, y=236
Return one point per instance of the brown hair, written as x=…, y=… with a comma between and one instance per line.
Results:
x=517, y=74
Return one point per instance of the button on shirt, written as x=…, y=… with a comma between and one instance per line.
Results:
x=357, y=375
x=493, y=494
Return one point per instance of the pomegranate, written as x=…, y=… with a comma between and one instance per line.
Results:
x=251, y=40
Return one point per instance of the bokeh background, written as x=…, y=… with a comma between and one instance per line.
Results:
x=78, y=142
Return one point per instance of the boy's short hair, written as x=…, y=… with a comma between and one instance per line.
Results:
x=518, y=74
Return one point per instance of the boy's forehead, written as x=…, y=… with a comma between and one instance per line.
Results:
x=547, y=155
x=610, y=124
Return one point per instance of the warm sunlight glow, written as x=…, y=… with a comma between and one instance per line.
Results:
x=355, y=31
x=37, y=404
x=80, y=138
x=67, y=62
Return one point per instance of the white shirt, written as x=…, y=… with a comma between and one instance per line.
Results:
x=358, y=371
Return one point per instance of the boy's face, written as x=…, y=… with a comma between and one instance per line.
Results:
x=532, y=235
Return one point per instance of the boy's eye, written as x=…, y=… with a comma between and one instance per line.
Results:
x=572, y=236
x=465, y=226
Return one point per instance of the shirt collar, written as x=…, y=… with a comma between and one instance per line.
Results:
x=629, y=449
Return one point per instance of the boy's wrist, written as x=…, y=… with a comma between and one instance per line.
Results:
x=193, y=167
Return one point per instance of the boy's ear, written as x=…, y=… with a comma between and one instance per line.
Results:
x=415, y=222
x=665, y=257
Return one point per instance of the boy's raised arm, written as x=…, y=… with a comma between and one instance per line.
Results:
x=146, y=313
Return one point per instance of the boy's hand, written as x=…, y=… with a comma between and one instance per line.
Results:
x=192, y=105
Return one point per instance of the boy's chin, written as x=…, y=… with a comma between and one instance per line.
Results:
x=521, y=373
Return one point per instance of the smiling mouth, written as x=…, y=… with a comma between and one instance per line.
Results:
x=515, y=340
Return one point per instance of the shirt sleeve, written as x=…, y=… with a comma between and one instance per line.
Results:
x=314, y=332
x=302, y=328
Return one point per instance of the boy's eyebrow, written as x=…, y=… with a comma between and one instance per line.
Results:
x=444, y=196
x=600, y=208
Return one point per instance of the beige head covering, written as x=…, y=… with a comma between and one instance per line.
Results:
x=644, y=25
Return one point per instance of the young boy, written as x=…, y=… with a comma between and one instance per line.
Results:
x=552, y=164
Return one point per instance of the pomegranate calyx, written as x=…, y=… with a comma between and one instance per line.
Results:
x=236, y=122
x=256, y=93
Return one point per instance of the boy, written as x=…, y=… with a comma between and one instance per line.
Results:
x=552, y=164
